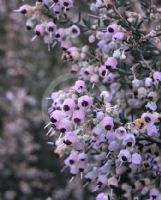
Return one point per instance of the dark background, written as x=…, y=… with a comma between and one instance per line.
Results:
x=28, y=167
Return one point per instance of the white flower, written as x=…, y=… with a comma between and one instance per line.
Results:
x=125, y=156
x=136, y=159
x=151, y=105
x=117, y=53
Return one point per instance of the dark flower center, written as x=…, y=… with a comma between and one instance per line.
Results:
x=50, y=29
x=86, y=73
x=124, y=158
x=108, y=127
x=111, y=30
x=71, y=162
x=147, y=119
x=62, y=130
x=129, y=144
x=84, y=103
x=74, y=30
x=67, y=142
x=77, y=120
x=81, y=170
x=53, y=120
x=66, y=108
x=57, y=35
x=108, y=66
x=103, y=73
x=37, y=33
x=24, y=11
x=66, y=4
x=100, y=184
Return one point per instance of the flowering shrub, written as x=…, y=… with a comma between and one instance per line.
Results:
x=107, y=125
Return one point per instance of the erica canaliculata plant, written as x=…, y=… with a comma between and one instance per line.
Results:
x=111, y=138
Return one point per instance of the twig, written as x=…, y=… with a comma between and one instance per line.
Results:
x=151, y=139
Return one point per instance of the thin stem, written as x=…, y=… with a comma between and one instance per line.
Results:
x=151, y=139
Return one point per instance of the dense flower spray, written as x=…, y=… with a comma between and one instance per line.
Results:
x=111, y=138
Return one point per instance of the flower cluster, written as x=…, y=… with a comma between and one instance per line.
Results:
x=46, y=26
x=109, y=137
x=90, y=132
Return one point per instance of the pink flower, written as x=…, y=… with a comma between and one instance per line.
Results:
x=118, y=37
x=70, y=138
x=68, y=105
x=74, y=170
x=50, y=27
x=102, y=180
x=59, y=34
x=65, y=125
x=102, y=196
x=111, y=63
x=103, y=71
x=97, y=130
x=107, y=123
x=25, y=9
x=40, y=29
x=91, y=175
x=88, y=71
x=85, y=102
x=157, y=76
x=56, y=116
x=71, y=159
x=78, y=116
x=94, y=78
x=129, y=140
x=154, y=192
x=81, y=166
x=112, y=28
x=79, y=86
x=148, y=118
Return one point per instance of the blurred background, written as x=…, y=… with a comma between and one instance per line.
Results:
x=28, y=166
